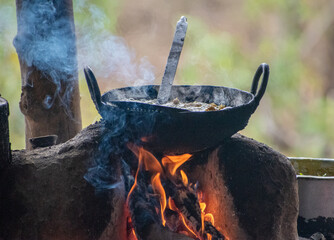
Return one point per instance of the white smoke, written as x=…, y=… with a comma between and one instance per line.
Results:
x=46, y=41
x=108, y=55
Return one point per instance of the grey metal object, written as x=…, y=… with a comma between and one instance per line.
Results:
x=173, y=60
x=316, y=186
x=316, y=196
x=43, y=141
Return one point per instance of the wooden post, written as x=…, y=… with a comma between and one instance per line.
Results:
x=45, y=44
x=5, y=152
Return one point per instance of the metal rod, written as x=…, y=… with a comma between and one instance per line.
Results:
x=172, y=61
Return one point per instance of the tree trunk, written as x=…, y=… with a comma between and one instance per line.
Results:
x=45, y=44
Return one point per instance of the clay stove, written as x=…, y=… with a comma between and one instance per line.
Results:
x=240, y=189
x=249, y=188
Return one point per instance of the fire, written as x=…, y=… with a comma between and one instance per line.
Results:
x=172, y=163
x=171, y=206
x=184, y=178
x=133, y=235
x=147, y=161
x=158, y=189
x=209, y=218
x=205, y=216
x=164, y=173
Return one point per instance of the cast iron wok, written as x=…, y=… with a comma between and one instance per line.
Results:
x=175, y=131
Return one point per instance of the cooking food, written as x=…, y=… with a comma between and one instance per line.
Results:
x=191, y=106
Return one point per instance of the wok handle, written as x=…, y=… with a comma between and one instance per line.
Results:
x=262, y=69
x=93, y=88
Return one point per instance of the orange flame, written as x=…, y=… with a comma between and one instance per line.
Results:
x=202, y=205
x=147, y=162
x=172, y=163
x=146, y=159
x=184, y=178
x=186, y=225
x=209, y=218
x=171, y=205
x=209, y=236
x=133, y=235
x=158, y=189
x=205, y=216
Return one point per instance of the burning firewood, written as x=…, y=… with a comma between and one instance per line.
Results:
x=152, y=186
x=143, y=202
x=186, y=200
x=210, y=229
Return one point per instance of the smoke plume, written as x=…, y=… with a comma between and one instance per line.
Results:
x=47, y=41
x=107, y=54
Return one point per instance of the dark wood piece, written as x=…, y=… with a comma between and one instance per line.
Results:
x=185, y=199
x=145, y=219
x=39, y=86
x=5, y=152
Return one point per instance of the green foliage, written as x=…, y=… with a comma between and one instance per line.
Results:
x=102, y=14
x=214, y=58
x=10, y=83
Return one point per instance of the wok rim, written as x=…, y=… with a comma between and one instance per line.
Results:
x=178, y=110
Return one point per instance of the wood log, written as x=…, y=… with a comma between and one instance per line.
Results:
x=159, y=232
x=145, y=219
x=5, y=152
x=249, y=188
x=216, y=235
x=45, y=44
x=185, y=199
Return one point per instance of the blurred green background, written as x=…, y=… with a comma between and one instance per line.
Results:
x=225, y=43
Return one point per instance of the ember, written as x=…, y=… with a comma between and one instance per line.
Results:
x=183, y=213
